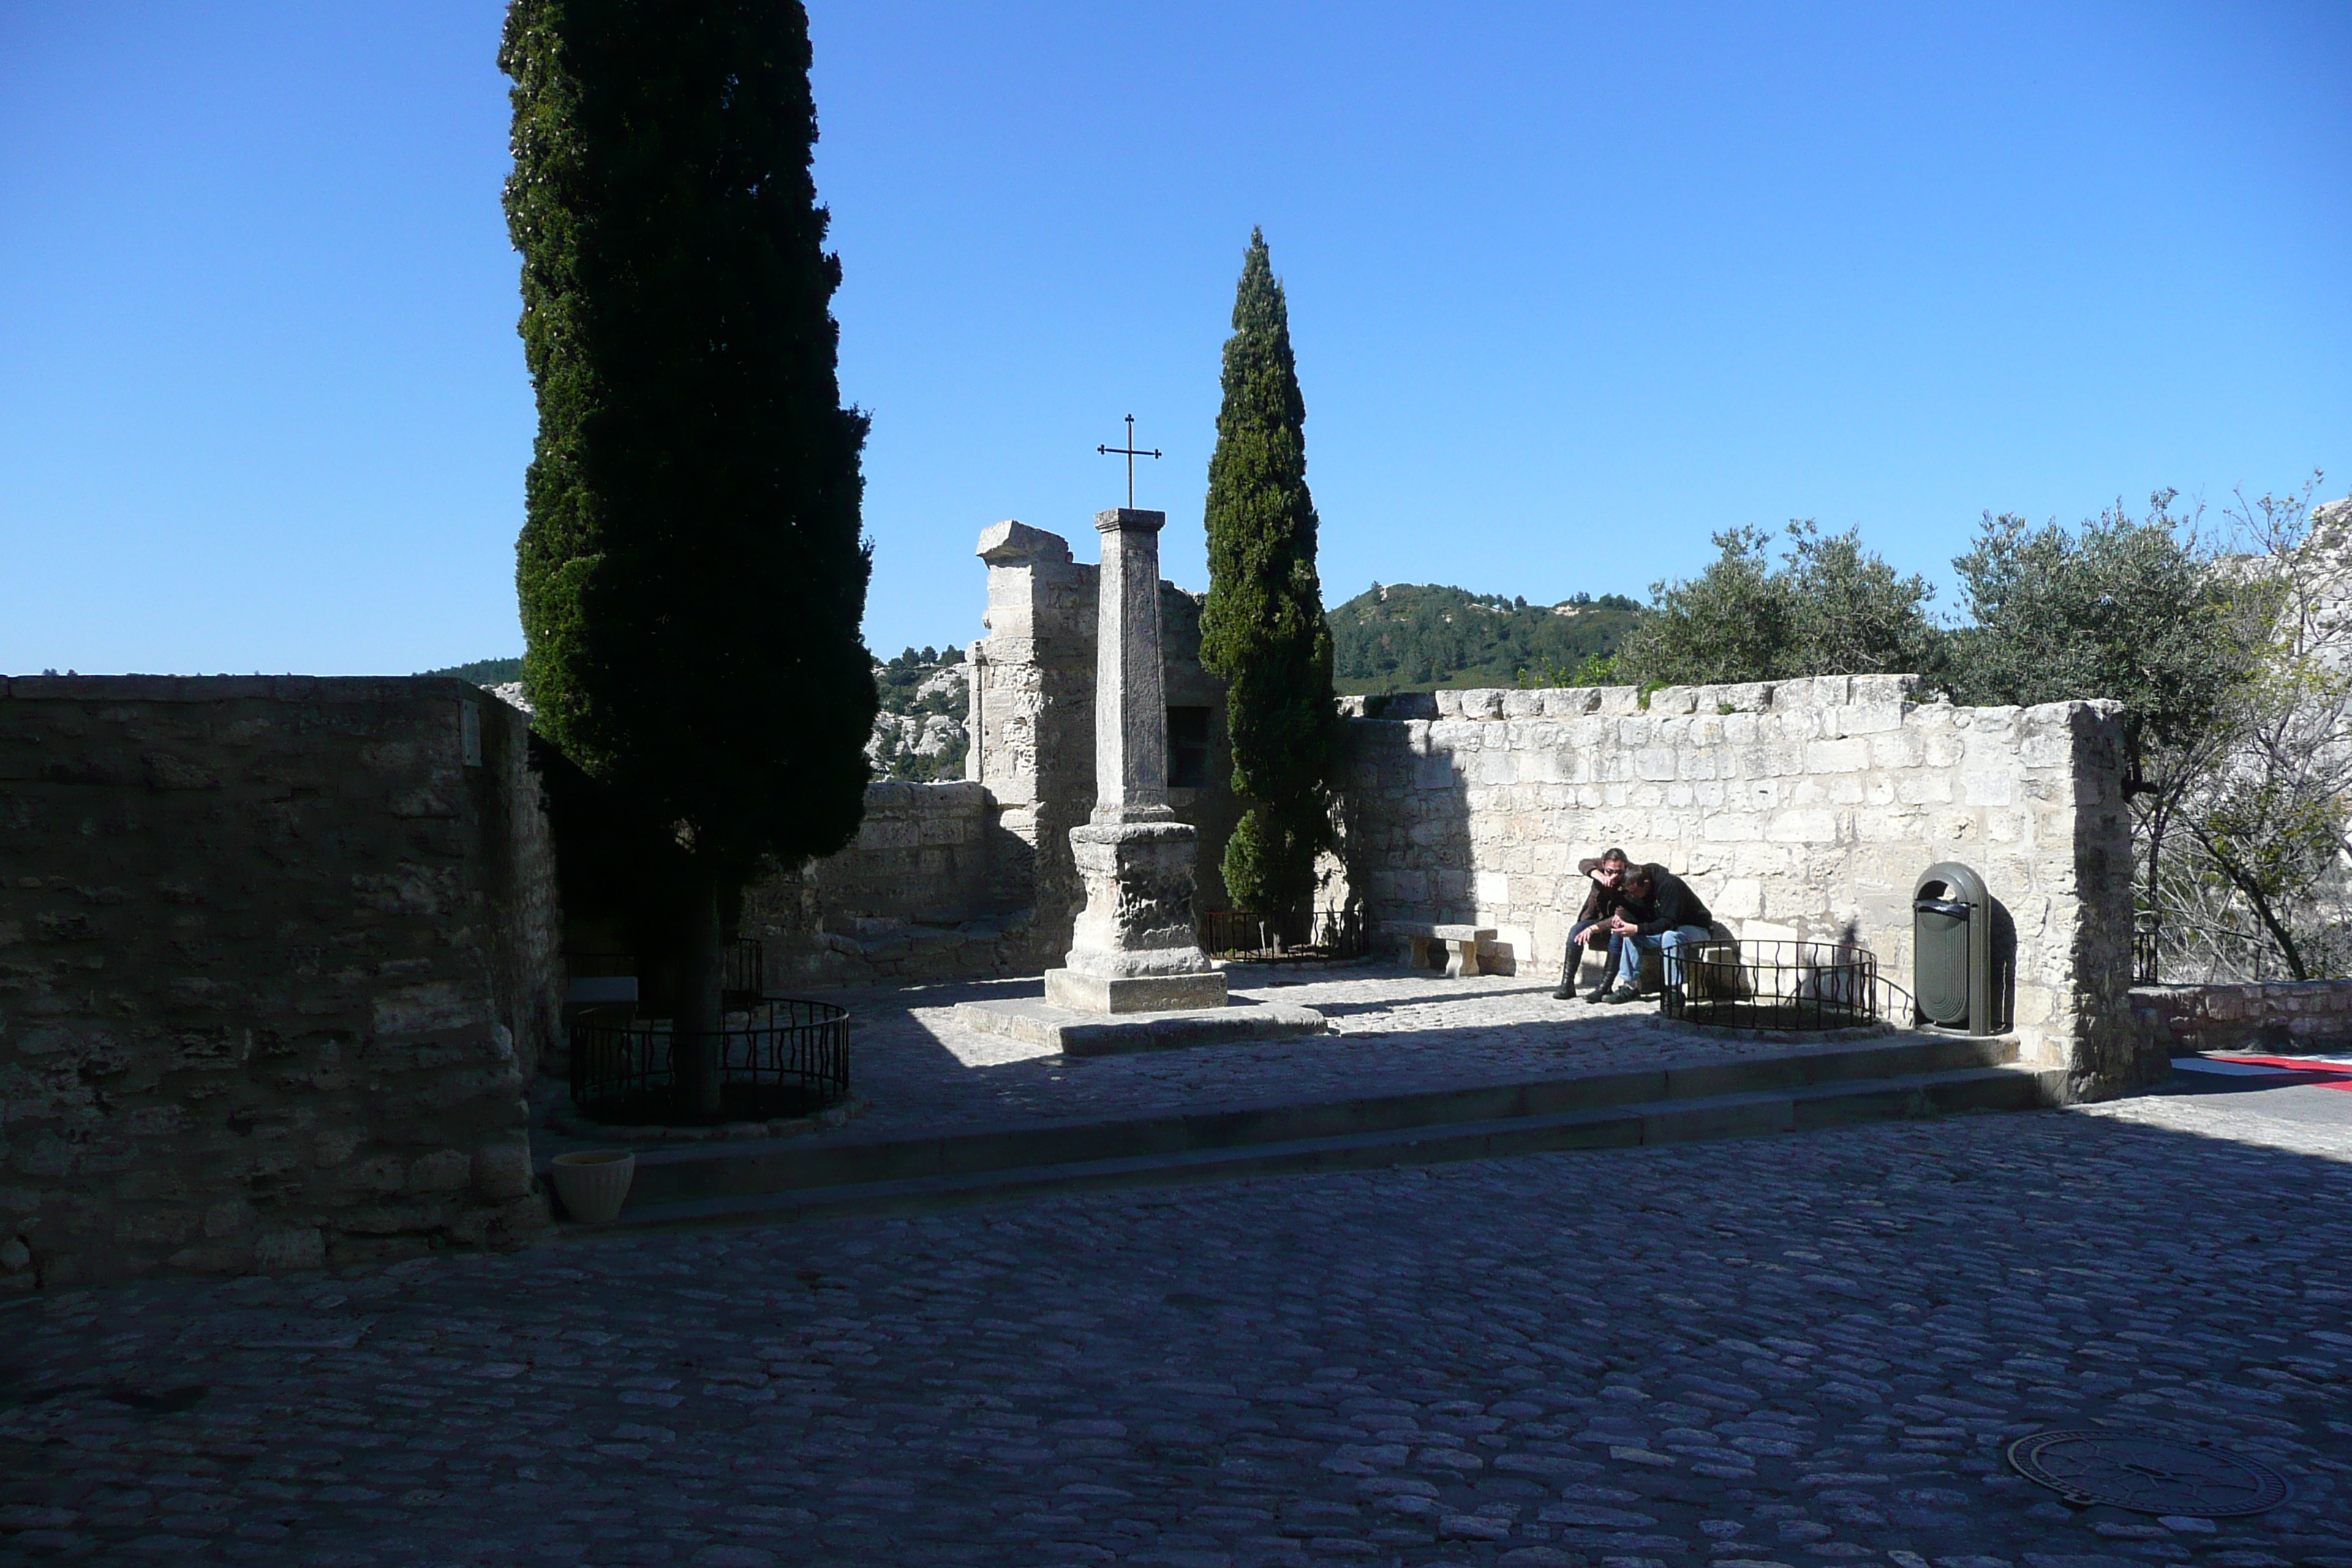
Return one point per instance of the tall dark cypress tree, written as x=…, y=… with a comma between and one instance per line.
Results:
x=1261, y=630
x=691, y=571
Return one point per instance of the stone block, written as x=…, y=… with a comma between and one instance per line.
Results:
x=433, y=1007
x=1106, y=994
x=1803, y=827
x=442, y=1171
x=502, y=1169
x=1669, y=700
x=1837, y=756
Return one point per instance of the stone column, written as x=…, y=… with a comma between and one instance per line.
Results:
x=1135, y=948
x=1130, y=715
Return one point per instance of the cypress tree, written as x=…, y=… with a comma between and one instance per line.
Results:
x=691, y=569
x=1262, y=630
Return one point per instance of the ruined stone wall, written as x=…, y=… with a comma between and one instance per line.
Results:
x=2299, y=1016
x=1799, y=809
x=276, y=959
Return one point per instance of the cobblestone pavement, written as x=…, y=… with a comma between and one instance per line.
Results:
x=1796, y=1351
x=1395, y=1032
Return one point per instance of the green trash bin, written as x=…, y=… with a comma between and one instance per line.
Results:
x=1951, y=949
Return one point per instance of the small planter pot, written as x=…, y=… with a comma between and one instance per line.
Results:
x=593, y=1183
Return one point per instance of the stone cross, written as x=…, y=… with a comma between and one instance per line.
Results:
x=1135, y=947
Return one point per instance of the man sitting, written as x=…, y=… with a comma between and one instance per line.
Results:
x=1666, y=918
x=1603, y=898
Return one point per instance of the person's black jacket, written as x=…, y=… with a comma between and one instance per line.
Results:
x=1671, y=904
x=1599, y=904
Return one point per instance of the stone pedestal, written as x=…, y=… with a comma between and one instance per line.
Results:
x=1136, y=948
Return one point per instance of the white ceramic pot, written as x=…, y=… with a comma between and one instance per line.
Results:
x=593, y=1182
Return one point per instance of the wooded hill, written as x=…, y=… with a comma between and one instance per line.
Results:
x=1402, y=636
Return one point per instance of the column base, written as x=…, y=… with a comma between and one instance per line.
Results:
x=1103, y=994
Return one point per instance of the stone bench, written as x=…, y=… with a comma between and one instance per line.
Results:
x=1461, y=943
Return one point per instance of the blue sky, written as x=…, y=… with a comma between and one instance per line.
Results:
x=1572, y=286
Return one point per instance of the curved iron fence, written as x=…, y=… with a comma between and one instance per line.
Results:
x=1260, y=939
x=783, y=1056
x=1785, y=985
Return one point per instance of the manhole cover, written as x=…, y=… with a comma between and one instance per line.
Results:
x=2147, y=1475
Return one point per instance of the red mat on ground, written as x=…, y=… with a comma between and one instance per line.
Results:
x=2323, y=1074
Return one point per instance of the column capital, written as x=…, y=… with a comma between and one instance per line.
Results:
x=1129, y=520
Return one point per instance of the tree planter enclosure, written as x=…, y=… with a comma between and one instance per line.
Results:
x=781, y=1057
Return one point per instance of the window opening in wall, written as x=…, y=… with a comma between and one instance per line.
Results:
x=1187, y=748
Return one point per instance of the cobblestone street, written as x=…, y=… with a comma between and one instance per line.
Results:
x=1800, y=1349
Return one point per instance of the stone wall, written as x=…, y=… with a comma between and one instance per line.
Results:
x=911, y=900
x=920, y=854
x=276, y=958
x=1799, y=809
x=2296, y=1016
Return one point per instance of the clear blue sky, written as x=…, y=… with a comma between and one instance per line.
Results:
x=1572, y=286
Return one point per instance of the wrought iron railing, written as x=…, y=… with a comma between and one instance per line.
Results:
x=783, y=1056
x=1249, y=937
x=1783, y=985
x=2146, y=952
x=746, y=972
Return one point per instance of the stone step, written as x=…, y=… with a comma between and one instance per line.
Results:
x=696, y=1173
x=1839, y=1102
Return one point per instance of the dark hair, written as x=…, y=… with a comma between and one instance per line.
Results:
x=1616, y=854
x=1638, y=874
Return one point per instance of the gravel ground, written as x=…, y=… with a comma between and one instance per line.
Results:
x=1803, y=1350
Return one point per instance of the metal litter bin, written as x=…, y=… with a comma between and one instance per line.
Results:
x=1951, y=949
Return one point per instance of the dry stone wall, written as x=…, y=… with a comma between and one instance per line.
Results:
x=276, y=960
x=2296, y=1017
x=1797, y=809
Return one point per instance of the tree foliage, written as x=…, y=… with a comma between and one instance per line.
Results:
x=2131, y=609
x=691, y=570
x=1261, y=627
x=2242, y=840
x=1829, y=607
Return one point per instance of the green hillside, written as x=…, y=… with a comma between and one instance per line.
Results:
x=1406, y=637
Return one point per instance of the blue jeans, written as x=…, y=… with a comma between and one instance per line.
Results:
x=1669, y=942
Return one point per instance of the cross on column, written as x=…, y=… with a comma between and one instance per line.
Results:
x=1130, y=452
